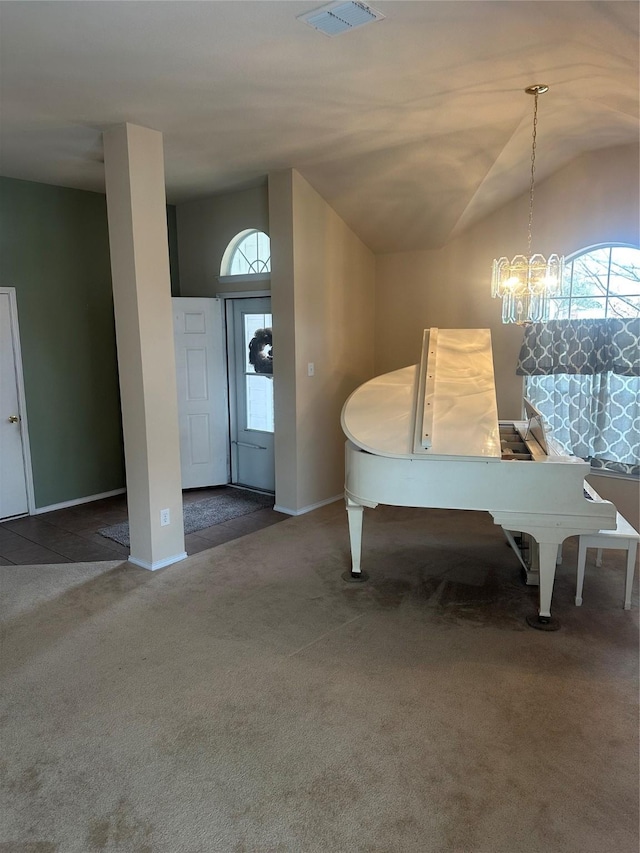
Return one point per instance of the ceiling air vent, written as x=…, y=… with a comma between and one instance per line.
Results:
x=339, y=18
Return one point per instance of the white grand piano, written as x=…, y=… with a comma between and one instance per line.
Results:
x=429, y=436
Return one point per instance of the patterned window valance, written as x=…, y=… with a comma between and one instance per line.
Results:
x=581, y=347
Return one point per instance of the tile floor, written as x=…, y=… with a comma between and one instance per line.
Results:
x=70, y=535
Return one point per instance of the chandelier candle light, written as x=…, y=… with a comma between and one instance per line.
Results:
x=525, y=283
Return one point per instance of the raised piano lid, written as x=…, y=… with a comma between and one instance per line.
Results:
x=384, y=416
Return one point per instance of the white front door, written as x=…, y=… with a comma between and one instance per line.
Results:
x=14, y=458
x=203, y=413
x=251, y=383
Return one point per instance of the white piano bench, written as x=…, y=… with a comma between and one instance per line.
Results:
x=623, y=538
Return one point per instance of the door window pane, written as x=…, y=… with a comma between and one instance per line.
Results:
x=259, y=391
x=258, y=372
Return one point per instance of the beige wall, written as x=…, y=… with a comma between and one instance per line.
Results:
x=592, y=200
x=322, y=287
x=284, y=332
x=206, y=227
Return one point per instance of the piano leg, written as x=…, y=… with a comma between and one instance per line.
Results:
x=355, y=513
x=547, y=554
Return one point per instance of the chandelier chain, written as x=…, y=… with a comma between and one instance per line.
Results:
x=533, y=170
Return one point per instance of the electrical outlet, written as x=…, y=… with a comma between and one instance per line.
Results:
x=311, y=369
x=165, y=517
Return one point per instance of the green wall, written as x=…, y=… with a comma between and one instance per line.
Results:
x=54, y=249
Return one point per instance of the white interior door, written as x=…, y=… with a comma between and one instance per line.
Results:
x=14, y=458
x=203, y=409
x=251, y=383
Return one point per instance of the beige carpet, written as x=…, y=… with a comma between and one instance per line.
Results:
x=247, y=700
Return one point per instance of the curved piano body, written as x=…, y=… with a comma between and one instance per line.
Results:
x=429, y=436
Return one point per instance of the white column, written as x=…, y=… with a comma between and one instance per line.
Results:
x=136, y=207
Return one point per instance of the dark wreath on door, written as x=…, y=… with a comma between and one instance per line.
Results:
x=261, y=351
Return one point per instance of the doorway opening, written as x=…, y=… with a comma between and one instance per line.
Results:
x=224, y=366
x=224, y=375
x=16, y=479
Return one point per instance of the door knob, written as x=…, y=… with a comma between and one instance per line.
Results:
x=13, y=419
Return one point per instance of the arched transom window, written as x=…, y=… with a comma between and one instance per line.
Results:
x=600, y=282
x=249, y=253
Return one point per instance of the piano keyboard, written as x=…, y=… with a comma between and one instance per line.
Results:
x=512, y=444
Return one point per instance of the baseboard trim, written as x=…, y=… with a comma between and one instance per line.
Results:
x=66, y=504
x=159, y=564
x=310, y=508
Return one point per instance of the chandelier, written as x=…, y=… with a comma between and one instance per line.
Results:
x=526, y=282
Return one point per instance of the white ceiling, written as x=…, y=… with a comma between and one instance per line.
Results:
x=411, y=128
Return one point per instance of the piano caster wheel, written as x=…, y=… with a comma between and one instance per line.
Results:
x=355, y=577
x=543, y=623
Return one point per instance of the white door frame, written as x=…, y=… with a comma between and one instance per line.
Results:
x=22, y=402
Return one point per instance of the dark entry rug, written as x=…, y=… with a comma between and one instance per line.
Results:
x=230, y=503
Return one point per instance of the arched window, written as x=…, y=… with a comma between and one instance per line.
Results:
x=599, y=282
x=249, y=253
x=593, y=409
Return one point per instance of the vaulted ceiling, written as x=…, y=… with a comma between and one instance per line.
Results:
x=411, y=127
